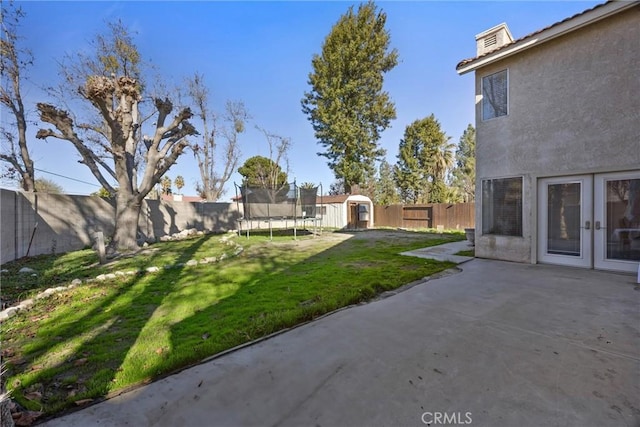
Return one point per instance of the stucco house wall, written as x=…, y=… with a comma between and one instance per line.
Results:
x=574, y=107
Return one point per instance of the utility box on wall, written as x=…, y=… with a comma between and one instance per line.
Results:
x=363, y=213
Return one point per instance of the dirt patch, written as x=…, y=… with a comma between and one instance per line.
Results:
x=369, y=238
x=387, y=235
x=360, y=264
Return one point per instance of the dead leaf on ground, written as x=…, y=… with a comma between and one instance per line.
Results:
x=34, y=395
x=83, y=402
x=8, y=352
x=25, y=418
x=80, y=362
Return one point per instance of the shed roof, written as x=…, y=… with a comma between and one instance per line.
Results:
x=341, y=198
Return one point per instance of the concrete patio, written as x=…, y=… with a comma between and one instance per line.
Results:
x=445, y=252
x=497, y=344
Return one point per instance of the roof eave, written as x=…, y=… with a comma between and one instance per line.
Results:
x=562, y=28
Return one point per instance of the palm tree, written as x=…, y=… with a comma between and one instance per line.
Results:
x=179, y=182
x=166, y=185
x=442, y=160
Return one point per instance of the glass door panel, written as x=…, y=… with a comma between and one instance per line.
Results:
x=623, y=219
x=563, y=224
x=564, y=220
x=617, y=226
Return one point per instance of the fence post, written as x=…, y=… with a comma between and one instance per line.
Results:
x=100, y=246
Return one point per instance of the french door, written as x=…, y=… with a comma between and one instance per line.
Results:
x=616, y=233
x=564, y=214
x=590, y=221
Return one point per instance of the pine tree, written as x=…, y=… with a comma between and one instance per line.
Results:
x=346, y=104
x=386, y=191
x=464, y=175
x=425, y=156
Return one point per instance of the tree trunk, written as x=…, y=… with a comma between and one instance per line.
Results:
x=126, y=231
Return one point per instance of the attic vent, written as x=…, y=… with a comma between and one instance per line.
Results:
x=490, y=41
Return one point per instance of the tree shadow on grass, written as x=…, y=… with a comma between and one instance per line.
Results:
x=93, y=339
x=153, y=325
x=284, y=292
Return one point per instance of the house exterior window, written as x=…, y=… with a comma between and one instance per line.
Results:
x=495, y=95
x=502, y=206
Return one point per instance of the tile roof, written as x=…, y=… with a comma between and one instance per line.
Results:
x=470, y=60
x=170, y=198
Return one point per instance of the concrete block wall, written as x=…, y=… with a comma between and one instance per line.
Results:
x=8, y=230
x=66, y=223
x=160, y=218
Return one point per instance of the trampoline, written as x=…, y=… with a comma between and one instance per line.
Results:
x=281, y=208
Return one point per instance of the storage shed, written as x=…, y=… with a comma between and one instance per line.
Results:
x=346, y=211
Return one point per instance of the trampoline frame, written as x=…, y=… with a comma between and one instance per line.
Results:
x=249, y=221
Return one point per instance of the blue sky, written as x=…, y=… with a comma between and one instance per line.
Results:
x=260, y=53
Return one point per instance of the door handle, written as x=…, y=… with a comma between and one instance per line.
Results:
x=587, y=225
x=597, y=225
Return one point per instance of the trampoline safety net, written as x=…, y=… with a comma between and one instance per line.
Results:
x=289, y=201
x=279, y=206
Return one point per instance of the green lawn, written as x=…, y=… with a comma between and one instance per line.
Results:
x=105, y=336
x=468, y=252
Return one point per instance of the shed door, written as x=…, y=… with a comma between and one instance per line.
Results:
x=352, y=216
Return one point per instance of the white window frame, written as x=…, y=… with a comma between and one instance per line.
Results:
x=482, y=101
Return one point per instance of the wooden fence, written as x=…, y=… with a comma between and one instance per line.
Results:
x=450, y=216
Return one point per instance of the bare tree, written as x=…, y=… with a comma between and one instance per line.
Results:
x=278, y=154
x=269, y=173
x=13, y=62
x=215, y=175
x=110, y=143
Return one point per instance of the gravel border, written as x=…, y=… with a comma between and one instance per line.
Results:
x=28, y=303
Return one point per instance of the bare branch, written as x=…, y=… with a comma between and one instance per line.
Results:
x=13, y=161
x=64, y=124
x=100, y=130
x=14, y=60
x=209, y=150
x=280, y=146
x=177, y=129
